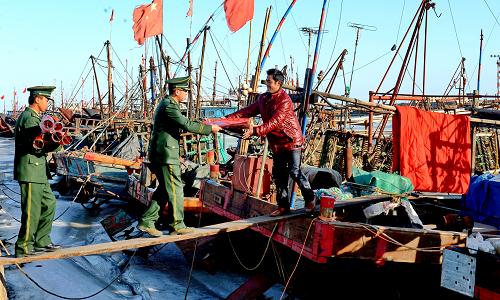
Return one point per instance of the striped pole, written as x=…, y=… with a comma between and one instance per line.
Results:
x=313, y=69
x=275, y=34
x=309, y=87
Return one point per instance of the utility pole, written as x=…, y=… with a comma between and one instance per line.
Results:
x=310, y=31
x=358, y=28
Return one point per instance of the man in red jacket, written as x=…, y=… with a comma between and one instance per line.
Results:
x=281, y=126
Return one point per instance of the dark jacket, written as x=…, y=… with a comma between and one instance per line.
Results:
x=168, y=121
x=280, y=124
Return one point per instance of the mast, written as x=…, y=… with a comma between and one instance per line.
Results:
x=190, y=93
x=110, y=79
x=152, y=74
x=248, y=54
x=244, y=143
x=126, y=88
x=198, y=96
x=62, y=96
x=480, y=58
x=215, y=83
x=142, y=71
x=97, y=86
x=262, y=41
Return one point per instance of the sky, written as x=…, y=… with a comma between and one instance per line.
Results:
x=49, y=43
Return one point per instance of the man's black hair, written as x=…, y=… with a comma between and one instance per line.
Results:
x=277, y=75
x=31, y=99
x=171, y=89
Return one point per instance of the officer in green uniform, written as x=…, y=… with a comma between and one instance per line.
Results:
x=165, y=161
x=31, y=171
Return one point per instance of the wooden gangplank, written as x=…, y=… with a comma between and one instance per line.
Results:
x=145, y=242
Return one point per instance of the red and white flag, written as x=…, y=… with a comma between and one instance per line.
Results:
x=112, y=16
x=148, y=21
x=24, y=90
x=238, y=13
x=1, y=98
x=190, y=11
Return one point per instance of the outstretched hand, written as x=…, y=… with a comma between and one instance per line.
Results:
x=248, y=133
x=216, y=128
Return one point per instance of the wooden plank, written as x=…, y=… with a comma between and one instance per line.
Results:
x=144, y=242
x=3, y=286
x=370, y=199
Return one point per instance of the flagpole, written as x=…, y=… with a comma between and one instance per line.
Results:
x=111, y=23
x=196, y=39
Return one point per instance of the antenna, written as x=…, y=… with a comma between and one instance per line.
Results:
x=358, y=28
x=309, y=31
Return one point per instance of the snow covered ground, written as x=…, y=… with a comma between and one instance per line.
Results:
x=163, y=275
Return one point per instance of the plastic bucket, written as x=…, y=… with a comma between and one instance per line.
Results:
x=326, y=208
x=214, y=171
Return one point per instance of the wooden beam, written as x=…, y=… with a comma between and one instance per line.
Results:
x=3, y=283
x=370, y=199
x=145, y=242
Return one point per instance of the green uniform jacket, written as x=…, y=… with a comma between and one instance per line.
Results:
x=30, y=165
x=168, y=121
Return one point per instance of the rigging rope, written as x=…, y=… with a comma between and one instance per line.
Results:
x=64, y=297
x=455, y=28
x=337, y=34
x=218, y=55
x=263, y=254
x=400, y=21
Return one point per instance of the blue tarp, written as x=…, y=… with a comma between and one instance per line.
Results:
x=482, y=201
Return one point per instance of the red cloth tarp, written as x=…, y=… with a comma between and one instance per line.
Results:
x=432, y=149
x=231, y=124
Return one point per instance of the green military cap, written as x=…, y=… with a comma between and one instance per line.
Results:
x=179, y=82
x=42, y=91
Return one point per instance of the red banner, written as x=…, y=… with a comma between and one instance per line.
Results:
x=148, y=21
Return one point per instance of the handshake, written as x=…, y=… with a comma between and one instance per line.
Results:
x=52, y=131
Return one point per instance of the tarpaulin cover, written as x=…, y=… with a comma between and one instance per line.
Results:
x=482, y=201
x=391, y=183
x=432, y=149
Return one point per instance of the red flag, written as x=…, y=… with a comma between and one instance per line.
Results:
x=148, y=21
x=3, y=96
x=15, y=93
x=238, y=13
x=112, y=16
x=24, y=90
x=190, y=11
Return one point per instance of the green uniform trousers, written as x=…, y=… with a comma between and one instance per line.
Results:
x=38, y=206
x=169, y=188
